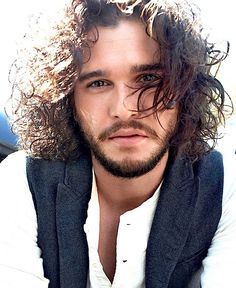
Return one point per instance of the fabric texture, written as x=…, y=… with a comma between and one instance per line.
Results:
x=178, y=240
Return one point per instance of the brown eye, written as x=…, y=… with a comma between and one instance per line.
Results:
x=98, y=84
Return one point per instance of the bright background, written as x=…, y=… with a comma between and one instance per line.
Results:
x=218, y=15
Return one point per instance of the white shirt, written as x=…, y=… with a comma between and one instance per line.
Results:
x=133, y=232
x=20, y=262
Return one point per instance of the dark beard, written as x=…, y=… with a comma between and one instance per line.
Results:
x=126, y=168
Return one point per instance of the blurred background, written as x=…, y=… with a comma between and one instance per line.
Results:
x=218, y=16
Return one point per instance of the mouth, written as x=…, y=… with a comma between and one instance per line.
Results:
x=128, y=133
x=128, y=136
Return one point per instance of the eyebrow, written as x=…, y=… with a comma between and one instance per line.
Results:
x=146, y=67
x=134, y=69
x=88, y=75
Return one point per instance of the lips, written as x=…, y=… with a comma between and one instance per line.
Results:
x=128, y=137
x=127, y=133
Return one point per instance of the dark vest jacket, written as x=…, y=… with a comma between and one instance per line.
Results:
x=186, y=218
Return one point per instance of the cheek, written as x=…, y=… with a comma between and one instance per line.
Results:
x=87, y=120
x=88, y=115
x=168, y=119
x=146, y=99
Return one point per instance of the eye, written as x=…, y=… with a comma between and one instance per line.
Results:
x=148, y=77
x=98, y=84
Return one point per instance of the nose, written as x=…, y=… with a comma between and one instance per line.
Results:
x=124, y=103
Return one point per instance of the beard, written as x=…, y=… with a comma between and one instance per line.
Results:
x=125, y=168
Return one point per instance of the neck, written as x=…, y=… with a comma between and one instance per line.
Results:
x=126, y=194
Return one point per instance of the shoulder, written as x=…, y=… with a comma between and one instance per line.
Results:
x=13, y=168
x=20, y=255
x=223, y=249
x=15, y=195
x=16, y=157
x=45, y=175
x=16, y=203
x=223, y=160
x=13, y=181
x=229, y=161
x=227, y=147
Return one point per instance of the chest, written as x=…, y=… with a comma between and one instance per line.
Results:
x=121, y=252
x=108, y=230
x=176, y=235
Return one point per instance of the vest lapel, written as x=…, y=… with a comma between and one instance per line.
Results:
x=71, y=212
x=171, y=223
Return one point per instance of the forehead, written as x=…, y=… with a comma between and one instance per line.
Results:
x=126, y=43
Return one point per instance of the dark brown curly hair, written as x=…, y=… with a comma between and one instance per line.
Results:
x=45, y=76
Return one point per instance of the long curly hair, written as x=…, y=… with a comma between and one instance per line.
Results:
x=47, y=68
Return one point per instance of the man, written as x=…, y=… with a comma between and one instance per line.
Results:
x=120, y=187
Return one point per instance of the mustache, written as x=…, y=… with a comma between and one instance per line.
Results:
x=107, y=133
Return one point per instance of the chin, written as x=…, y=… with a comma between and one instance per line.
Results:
x=130, y=168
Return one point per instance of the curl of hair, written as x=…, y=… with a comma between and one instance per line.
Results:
x=45, y=76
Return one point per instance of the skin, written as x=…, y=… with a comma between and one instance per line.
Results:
x=102, y=102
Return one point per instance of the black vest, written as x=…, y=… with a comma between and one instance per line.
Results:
x=186, y=218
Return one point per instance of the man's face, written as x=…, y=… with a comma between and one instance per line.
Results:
x=122, y=140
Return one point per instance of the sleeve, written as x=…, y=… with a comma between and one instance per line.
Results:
x=20, y=257
x=219, y=265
